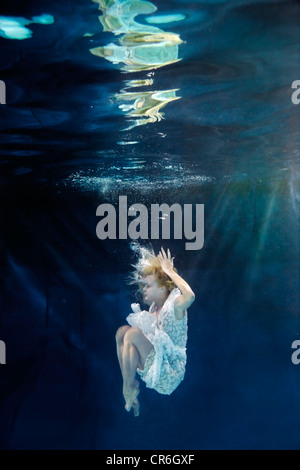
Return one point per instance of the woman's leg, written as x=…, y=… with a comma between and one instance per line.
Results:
x=119, y=342
x=136, y=348
x=120, y=346
x=132, y=349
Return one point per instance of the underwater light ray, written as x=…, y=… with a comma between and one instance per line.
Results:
x=294, y=188
x=266, y=224
x=27, y=282
x=263, y=232
x=221, y=206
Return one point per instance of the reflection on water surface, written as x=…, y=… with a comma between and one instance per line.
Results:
x=140, y=47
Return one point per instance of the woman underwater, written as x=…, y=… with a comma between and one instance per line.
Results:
x=154, y=345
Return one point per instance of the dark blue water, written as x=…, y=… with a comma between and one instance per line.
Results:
x=205, y=117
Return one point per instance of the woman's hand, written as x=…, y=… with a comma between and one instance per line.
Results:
x=135, y=308
x=166, y=261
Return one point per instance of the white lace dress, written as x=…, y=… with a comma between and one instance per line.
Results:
x=165, y=365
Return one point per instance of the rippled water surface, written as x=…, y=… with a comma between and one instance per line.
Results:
x=232, y=115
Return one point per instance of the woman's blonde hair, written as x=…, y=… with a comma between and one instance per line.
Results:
x=149, y=264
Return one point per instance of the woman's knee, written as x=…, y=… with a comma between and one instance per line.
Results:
x=121, y=332
x=132, y=334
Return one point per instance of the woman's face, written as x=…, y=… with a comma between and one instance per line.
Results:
x=152, y=292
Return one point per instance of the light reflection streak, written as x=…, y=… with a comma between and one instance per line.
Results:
x=139, y=48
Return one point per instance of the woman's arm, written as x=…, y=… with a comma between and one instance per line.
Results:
x=187, y=296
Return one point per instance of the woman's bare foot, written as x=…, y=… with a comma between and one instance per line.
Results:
x=130, y=395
